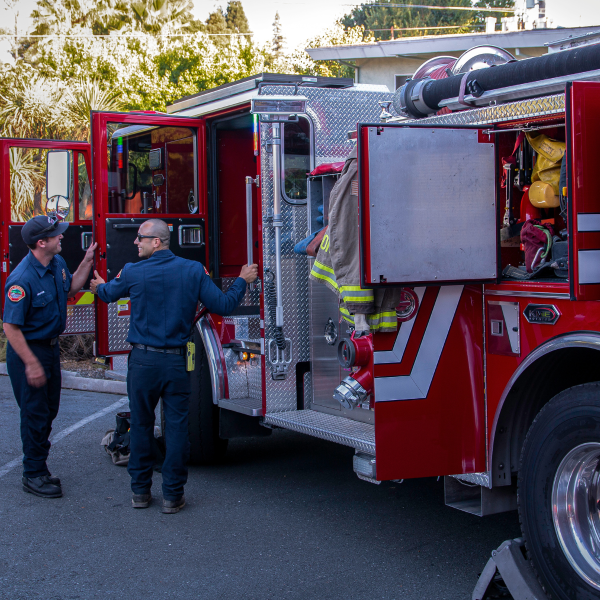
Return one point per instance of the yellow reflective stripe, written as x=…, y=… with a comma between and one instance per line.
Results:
x=320, y=265
x=86, y=298
x=358, y=294
x=315, y=272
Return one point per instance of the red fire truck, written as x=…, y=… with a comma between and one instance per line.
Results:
x=490, y=379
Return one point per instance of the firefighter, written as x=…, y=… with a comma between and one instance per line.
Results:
x=35, y=314
x=164, y=292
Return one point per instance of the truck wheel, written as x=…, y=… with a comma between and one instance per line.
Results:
x=206, y=446
x=559, y=494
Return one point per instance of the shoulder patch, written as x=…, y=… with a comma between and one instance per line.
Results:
x=16, y=293
x=205, y=270
x=64, y=275
x=119, y=274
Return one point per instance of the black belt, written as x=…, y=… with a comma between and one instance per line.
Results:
x=50, y=342
x=179, y=351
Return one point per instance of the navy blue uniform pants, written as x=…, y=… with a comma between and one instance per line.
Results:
x=39, y=406
x=151, y=376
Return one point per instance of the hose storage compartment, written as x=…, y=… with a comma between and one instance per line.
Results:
x=422, y=97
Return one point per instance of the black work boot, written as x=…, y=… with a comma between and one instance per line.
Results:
x=42, y=487
x=173, y=506
x=52, y=480
x=141, y=500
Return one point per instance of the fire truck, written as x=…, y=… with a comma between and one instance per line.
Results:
x=490, y=379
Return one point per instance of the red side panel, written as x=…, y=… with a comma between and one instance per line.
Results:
x=236, y=160
x=583, y=105
x=429, y=404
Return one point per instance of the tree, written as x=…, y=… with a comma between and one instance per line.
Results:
x=235, y=17
x=380, y=19
x=480, y=16
x=278, y=44
x=162, y=16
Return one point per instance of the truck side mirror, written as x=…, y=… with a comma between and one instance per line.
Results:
x=58, y=183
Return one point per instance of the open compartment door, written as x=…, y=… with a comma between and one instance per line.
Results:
x=583, y=133
x=427, y=205
x=144, y=166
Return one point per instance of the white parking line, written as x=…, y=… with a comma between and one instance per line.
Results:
x=65, y=432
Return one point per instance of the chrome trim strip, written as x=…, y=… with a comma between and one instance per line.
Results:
x=520, y=294
x=586, y=340
x=589, y=266
x=214, y=362
x=588, y=222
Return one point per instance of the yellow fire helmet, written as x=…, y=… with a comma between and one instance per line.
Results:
x=542, y=195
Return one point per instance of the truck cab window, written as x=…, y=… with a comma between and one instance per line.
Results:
x=28, y=183
x=296, y=159
x=151, y=169
x=85, y=192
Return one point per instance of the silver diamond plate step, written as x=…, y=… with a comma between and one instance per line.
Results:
x=246, y=406
x=327, y=427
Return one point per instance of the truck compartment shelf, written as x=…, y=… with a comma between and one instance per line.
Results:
x=340, y=430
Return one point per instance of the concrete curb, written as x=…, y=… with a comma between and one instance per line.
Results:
x=86, y=384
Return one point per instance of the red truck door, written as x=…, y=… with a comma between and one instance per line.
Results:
x=23, y=195
x=583, y=130
x=144, y=166
x=428, y=221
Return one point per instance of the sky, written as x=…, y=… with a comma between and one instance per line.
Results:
x=305, y=19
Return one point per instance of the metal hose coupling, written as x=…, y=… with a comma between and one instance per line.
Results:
x=350, y=393
x=355, y=353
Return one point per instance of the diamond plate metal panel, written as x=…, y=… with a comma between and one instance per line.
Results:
x=118, y=329
x=236, y=375
x=482, y=479
x=488, y=115
x=80, y=319
x=327, y=427
x=247, y=328
x=333, y=113
x=251, y=297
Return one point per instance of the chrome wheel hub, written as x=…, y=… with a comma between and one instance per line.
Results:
x=576, y=510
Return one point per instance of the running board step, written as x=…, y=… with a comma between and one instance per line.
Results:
x=327, y=427
x=247, y=406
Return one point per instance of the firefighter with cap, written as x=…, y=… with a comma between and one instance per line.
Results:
x=35, y=314
x=164, y=290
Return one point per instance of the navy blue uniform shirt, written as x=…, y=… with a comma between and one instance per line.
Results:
x=35, y=297
x=164, y=291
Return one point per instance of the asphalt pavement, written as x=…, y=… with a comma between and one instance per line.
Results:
x=283, y=517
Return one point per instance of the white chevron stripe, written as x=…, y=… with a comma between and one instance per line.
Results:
x=416, y=385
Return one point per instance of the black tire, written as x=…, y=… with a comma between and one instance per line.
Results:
x=563, y=438
x=206, y=447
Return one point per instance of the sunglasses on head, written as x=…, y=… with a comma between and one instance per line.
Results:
x=52, y=227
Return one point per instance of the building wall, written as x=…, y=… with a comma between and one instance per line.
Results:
x=383, y=70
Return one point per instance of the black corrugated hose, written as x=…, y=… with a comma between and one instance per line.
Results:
x=271, y=301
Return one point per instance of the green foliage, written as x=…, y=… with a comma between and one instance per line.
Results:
x=380, y=19
x=137, y=54
x=235, y=17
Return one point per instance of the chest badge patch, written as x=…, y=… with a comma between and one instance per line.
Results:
x=64, y=275
x=16, y=293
